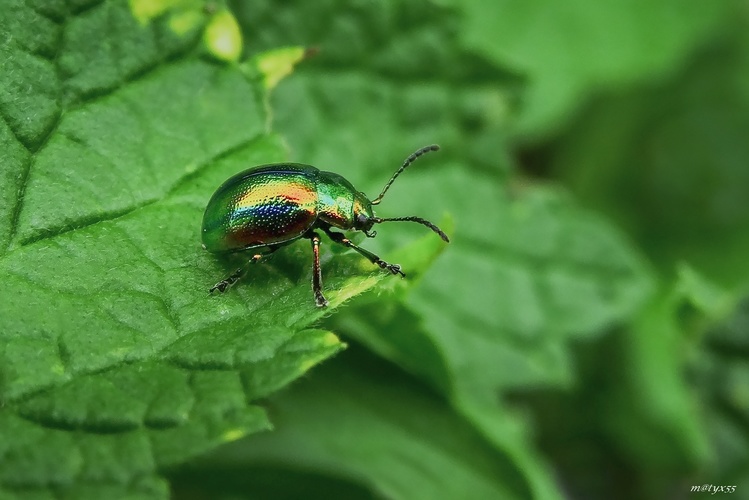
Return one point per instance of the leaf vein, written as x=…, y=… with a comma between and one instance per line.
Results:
x=113, y=215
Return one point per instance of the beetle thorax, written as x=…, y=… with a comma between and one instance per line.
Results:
x=336, y=200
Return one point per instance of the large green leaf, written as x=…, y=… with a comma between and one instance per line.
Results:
x=115, y=360
x=400, y=441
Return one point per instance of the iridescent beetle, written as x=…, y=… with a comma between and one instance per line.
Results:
x=269, y=206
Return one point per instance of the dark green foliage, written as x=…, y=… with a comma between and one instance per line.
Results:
x=583, y=343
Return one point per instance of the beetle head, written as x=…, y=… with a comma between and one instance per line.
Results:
x=364, y=217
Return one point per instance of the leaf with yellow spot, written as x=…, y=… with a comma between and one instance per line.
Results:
x=223, y=37
x=276, y=64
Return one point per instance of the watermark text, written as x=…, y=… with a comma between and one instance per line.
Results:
x=713, y=488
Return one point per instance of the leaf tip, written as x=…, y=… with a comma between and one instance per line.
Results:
x=146, y=10
x=330, y=339
x=222, y=36
x=274, y=65
x=233, y=435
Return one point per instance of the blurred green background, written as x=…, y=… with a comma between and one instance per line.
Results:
x=584, y=335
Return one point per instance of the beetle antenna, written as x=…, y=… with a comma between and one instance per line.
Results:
x=424, y=222
x=411, y=158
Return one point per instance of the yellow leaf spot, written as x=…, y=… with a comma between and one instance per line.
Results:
x=233, y=435
x=145, y=10
x=276, y=64
x=223, y=37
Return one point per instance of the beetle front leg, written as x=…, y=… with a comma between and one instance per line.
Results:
x=224, y=284
x=320, y=300
x=374, y=259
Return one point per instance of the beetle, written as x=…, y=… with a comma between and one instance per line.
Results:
x=269, y=206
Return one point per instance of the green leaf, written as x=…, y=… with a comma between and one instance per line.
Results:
x=553, y=275
x=115, y=361
x=570, y=50
x=663, y=428
x=684, y=401
x=678, y=151
x=720, y=368
x=384, y=80
x=399, y=440
x=717, y=365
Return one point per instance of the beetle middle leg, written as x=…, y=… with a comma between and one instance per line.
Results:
x=374, y=259
x=225, y=283
x=320, y=300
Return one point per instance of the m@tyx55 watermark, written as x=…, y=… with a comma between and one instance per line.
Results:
x=712, y=489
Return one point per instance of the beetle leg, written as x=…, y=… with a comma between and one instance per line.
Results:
x=340, y=238
x=224, y=284
x=316, y=272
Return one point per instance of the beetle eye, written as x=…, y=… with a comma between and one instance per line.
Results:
x=362, y=221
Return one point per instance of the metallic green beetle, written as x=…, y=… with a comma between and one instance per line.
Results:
x=269, y=206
